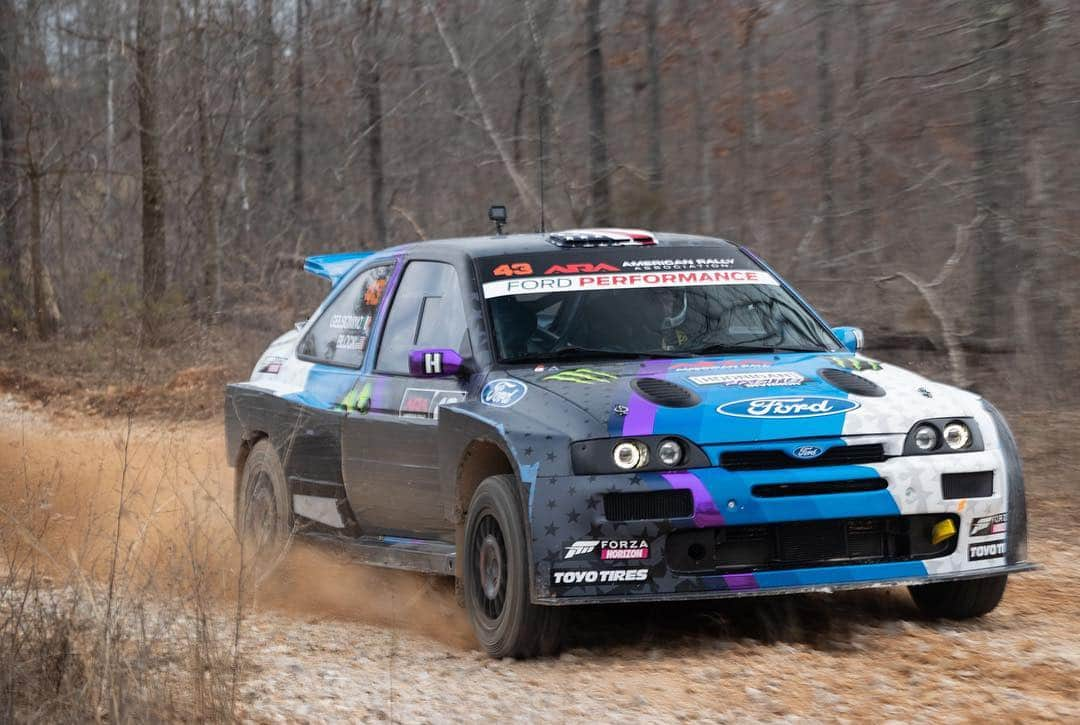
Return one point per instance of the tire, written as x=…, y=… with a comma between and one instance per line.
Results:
x=263, y=516
x=963, y=599
x=496, y=577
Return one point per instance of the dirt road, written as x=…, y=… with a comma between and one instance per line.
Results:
x=331, y=642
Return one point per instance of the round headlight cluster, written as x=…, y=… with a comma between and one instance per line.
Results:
x=957, y=436
x=926, y=437
x=670, y=452
x=941, y=436
x=630, y=455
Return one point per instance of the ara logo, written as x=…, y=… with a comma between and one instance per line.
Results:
x=580, y=268
x=801, y=406
x=806, y=453
x=503, y=393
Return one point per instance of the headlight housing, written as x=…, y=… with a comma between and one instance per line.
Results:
x=943, y=435
x=635, y=454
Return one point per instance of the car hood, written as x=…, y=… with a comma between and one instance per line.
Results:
x=750, y=398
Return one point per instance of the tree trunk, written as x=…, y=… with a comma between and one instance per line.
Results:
x=656, y=156
x=148, y=37
x=749, y=17
x=825, y=122
x=995, y=174
x=862, y=146
x=208, y=304
x=46, y=310
x=264, y=135
x=370, y=82
x=298, y=118
x=600, y=182
x=12, y=293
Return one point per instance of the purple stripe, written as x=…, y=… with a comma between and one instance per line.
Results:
x=641, y=414
x=705, y=511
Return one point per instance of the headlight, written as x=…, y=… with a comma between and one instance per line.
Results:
x=926, y=438
x=936, y=436
x=629, y=455
x=957, y=436
x=669, y=452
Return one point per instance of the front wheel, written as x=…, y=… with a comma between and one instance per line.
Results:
x=962, y=599
x=496, y=577
x=263, y=516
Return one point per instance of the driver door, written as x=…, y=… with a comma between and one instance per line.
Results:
x=390, y=449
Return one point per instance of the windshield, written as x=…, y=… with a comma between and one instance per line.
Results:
x=643, y=302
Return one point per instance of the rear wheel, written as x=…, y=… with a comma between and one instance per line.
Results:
x=264, y=516
x=496, y=577
x=963, y=599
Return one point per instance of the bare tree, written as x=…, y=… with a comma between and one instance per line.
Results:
x=748, y=16
x=598, y=145
x=147, y=47
x=825, y=122
x=862, y=145
x=210, y=297
x=298, y=114
x=656, y=156
x=368, y=79
x=12, y=300
x=266, y=49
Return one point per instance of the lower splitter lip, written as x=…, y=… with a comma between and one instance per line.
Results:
x=772, y=591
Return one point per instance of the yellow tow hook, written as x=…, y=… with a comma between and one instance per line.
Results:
x=942, y=531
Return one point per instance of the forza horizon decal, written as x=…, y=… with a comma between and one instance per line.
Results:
x=610, y=549
x=989, y=525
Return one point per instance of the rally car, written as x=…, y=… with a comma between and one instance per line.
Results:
x=607, y=415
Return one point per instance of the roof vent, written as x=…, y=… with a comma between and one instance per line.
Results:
x=665, y=393
x=851, y=383
x=602, y=238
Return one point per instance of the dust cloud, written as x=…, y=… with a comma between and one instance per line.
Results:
x=62, y=483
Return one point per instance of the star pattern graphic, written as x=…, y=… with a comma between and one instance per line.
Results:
x=528, y=451
x=551, y=503
x=551, y=455
x=573, y=516
x=571, y=490
x=592, y=502
x=551, y=529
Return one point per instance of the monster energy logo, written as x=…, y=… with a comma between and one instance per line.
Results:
x=855, y=363
x=582, y=375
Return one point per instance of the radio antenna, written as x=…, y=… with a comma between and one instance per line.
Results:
x=540, y=113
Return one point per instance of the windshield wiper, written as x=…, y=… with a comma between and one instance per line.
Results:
x=724, y=349
x=589, y=353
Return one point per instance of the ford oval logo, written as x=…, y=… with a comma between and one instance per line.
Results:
x=503, y=393
x=806, y=452
x=792, y=406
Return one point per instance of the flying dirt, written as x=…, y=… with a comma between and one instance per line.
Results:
x=325, y=639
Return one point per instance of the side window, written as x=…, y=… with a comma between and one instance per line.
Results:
x=340, y=335
x=427, y=312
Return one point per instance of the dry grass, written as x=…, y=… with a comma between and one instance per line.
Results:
x=122, y=596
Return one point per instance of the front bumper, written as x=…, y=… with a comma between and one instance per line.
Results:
x=571, y=531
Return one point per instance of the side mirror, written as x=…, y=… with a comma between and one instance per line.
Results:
x=850, y=337
x=436, y=362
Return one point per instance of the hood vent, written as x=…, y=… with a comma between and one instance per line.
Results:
x=665, y=393
x=851, y=383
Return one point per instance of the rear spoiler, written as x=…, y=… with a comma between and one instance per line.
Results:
x=334, y=266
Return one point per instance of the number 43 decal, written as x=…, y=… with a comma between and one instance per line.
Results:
x=513, y=270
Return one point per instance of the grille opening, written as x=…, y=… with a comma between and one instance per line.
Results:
x=646, y=505
x=967, y=485
x=764, y=460
x=830, y=542
x=779, y=490
x=851, y=383
x=665, y=393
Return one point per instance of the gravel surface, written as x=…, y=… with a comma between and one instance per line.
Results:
x=328, y=642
